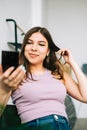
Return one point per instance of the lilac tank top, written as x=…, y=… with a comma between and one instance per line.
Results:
x=35, y=99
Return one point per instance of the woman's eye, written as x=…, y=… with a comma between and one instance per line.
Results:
x=41, y=44
x=29, y=42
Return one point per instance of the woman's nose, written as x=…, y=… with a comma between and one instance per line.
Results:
x=34, y=47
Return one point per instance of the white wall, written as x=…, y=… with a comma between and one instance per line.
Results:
x=66, y=20
x=20, y=11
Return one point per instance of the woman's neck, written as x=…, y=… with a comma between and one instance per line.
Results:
x=37, y=70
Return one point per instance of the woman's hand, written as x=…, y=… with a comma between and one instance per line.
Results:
x=11, y=78
x=67, y=55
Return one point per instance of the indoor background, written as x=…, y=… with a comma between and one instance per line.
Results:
x=65, y=19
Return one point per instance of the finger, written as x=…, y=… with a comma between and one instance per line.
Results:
x=7, y=73
x=17, y=74
x=20, y=69
x=15, y=82
x=1, y=70
x=65, y=53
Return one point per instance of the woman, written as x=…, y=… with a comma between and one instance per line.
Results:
x=40, y=97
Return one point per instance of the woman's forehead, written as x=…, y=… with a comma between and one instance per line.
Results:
x=37, y=36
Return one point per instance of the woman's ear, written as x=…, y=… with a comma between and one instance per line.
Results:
x=48, y=52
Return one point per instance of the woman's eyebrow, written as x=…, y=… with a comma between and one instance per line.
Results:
x=42, y=41
x=38, y=41
x=30, y=39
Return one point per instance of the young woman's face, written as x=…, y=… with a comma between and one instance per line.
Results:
x=36, y=49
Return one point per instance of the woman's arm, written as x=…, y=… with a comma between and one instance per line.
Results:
x=77, y=89
x=5, y=93
x=4, y=97
x=9, y=80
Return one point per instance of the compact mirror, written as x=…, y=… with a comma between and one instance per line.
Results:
x=9, y=58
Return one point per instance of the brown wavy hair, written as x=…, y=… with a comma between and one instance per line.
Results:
x=50, y=62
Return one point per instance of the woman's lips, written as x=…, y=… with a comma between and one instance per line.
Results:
x=33, y=55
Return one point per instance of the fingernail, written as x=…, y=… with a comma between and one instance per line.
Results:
x=23, y=68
